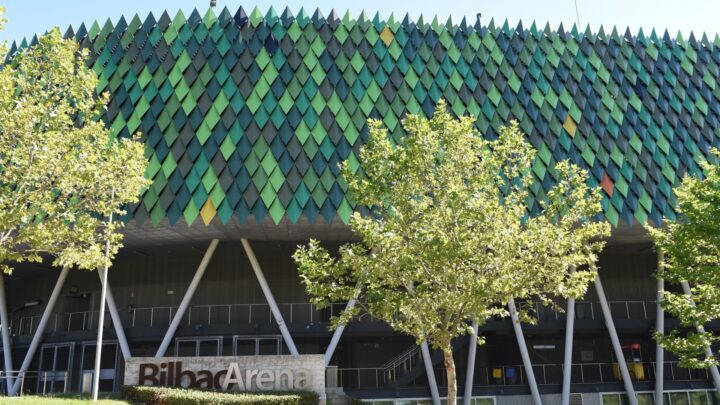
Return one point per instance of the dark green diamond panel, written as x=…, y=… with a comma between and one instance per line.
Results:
x=248, y=116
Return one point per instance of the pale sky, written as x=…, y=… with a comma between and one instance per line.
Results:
x=28, y=17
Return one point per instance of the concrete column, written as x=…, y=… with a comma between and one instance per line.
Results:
x=7, y=349
x=186, y=299
x=430, y=373
x=470, y=371
x=37, y=338
x=701, y=329
x=269, y=297
x=615, y=342
x=527, y=364
x=117, y=322
x=660, y=328
x=336, y=335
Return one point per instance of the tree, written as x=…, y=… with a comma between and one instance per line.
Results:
x=449, y=238
x=62, y=172
x=692, y=254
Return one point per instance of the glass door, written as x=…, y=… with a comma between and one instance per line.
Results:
x=199, y=346
x=256, y=345
x=109, y=365
x=55, y=368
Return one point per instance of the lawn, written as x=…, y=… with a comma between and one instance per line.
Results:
x=64, y=400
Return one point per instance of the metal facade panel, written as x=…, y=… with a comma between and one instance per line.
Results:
x=250, y=117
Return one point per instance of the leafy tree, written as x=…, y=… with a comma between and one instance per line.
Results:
x=449, y=239
x=692, y=254
x=62, y=172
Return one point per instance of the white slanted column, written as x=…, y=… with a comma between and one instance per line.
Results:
x=567, y=361
x=336, y=336
x=37, y=338
x=430, y=373
x=186, y=299
x=470, y=371
x=101, y=324
x=660, y=328
x=7, y=350
x=269, y=297
x=617, y=349
x=701, y=329
x=117, y=322
x=527, y=364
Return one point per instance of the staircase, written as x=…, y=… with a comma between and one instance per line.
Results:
x=408, y=365
x=401, y=364
x=336, y=396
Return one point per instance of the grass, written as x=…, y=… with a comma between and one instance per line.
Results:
x=60, y=400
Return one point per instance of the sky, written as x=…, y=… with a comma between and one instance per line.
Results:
x=27, y=17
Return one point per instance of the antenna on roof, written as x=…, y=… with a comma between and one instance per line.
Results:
x=213, y=3
x=577, y=14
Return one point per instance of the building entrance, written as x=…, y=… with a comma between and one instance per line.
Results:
x=108, y=366
x=55, y=368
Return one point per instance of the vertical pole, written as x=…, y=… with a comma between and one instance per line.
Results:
x=524, y=353
x=660, y=328
x=470, y=371
x=37, y=338
x=430, y=373
x=615, y=342
x=101, y=320
x=180, y=313
x=269, y=297
x=701, y=329
x=336, y=336
x=117, y=322
x=7, y=350
x=567, y=361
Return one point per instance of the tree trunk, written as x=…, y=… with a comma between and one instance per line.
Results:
x=451, y=376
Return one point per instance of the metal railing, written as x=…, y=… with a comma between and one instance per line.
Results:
x=402, y=363
x=65, y=322
x=301, y=313
x=220, y=314
x=511, y=375
x=590, y=310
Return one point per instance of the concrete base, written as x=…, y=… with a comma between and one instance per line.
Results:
x=336, y=396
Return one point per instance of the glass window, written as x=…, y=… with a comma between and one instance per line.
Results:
x=699, y=398
x=645, y=399
x=611, y=399
x=679, y=398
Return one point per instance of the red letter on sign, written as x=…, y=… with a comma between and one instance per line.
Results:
x=148, y=377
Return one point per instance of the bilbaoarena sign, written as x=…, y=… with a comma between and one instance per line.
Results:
x=237, y=373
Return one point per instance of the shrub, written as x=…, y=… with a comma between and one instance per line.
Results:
x=179, y=396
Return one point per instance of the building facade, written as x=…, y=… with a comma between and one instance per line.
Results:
x=245, y=118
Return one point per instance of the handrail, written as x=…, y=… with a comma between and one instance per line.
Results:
x=400, y=358
x=293, y=312
x=210, y=314
x=546, y=374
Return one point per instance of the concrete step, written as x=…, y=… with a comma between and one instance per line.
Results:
x=336, y=396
